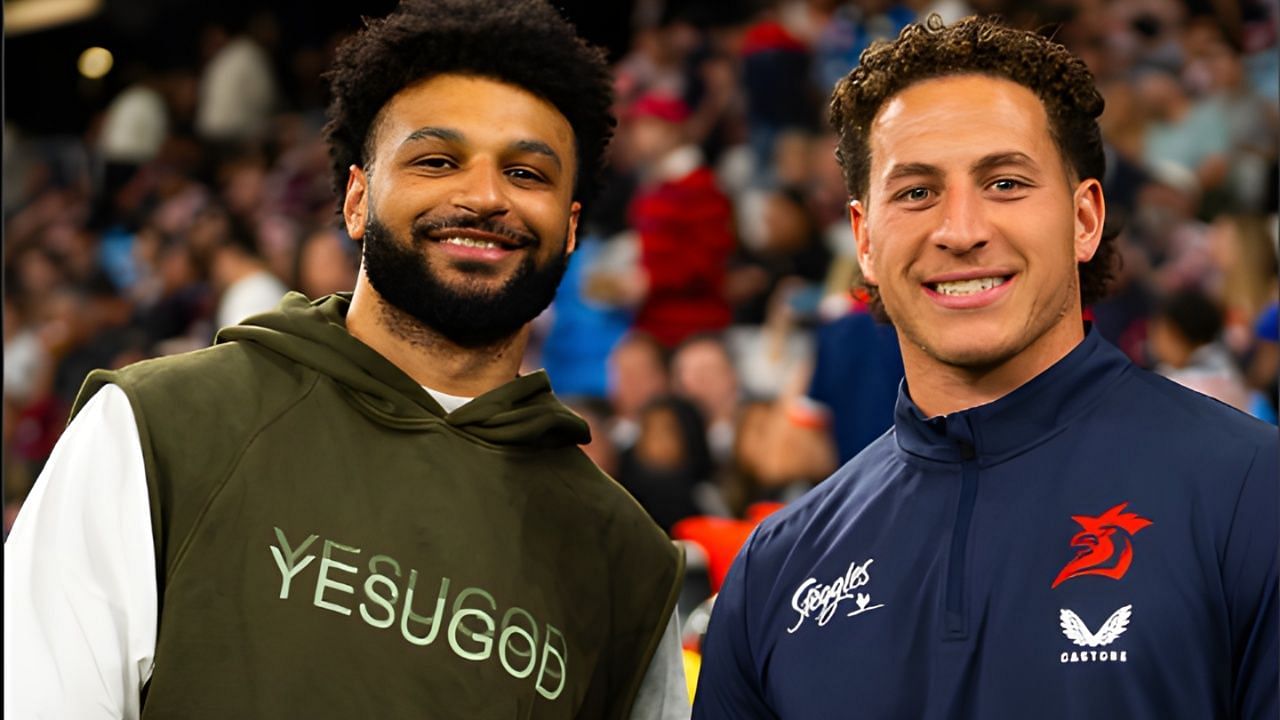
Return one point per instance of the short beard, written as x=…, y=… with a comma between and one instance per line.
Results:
x=471, y=315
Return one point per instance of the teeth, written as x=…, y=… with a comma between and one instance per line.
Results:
x=968, y=287
x=470, y=242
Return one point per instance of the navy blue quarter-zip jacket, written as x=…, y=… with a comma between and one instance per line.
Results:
x=1099, y=543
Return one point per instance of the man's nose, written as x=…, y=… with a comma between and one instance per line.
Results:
x=964, y=226
x=481, y=191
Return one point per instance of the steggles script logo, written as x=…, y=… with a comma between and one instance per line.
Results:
x=813, y=598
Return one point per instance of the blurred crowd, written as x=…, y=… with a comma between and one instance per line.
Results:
x=705, y=327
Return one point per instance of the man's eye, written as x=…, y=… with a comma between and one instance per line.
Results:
x=915, y=194
x=525, y=174
x=435, y=163
x=1006, y=185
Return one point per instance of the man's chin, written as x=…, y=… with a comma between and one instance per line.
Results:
x=472, y=288
x=971, y=359
x=975, y=352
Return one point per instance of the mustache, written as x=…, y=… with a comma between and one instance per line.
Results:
x=424, y=229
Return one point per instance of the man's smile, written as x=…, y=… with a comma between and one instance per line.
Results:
x=967, y=287
x=478, y=245
x=970, y=289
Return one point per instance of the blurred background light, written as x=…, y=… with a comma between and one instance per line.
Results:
x=95, y=62
x=24, y=16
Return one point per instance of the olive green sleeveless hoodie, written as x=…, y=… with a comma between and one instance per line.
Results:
x=331, y=544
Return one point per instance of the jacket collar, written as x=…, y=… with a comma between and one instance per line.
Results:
x=1031, y=414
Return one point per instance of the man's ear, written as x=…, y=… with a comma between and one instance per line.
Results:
x=1091, y=215
x=355, y=205
x=571, y=239
x=858, y=221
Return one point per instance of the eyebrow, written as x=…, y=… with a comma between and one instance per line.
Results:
x=912, y=170
x=983, y=164
x=450, y=135
x=540, y=148
x=438, y=133
x=996, y=160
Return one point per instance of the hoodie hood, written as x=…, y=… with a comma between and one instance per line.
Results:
x=523, y=412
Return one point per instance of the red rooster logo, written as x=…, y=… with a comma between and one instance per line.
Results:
x=1097, y=544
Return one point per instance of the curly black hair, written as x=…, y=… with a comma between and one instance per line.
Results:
x=983, y=46
x=525, y=43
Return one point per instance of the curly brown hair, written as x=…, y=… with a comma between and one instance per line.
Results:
x=525, y=43
x=983, y=46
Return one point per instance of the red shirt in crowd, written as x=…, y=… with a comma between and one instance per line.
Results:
x=686, y=237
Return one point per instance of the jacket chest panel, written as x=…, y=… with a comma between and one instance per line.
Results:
x=1088, y=586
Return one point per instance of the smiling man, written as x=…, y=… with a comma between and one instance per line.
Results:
x=355, y=507
x=1047, y=531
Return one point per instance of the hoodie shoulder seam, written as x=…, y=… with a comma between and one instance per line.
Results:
x=180, y=554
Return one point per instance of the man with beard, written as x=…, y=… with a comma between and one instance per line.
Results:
x=1047, y=531
x=354, y=507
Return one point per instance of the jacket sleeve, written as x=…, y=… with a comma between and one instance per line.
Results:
x=1249, y=577
x=728, y=683
x=79, y=575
